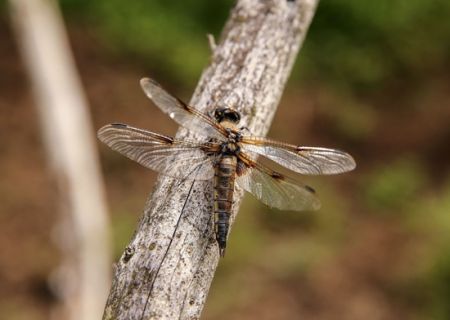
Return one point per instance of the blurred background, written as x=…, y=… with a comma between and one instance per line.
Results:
x=373, y=79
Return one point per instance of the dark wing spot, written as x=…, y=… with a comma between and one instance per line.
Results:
x=210, y=148
x=277, y=176
x=251, y=164
x=241, y=168
x=310, y=189
x=168, y=139
x=119, y=125
x=300, y=149
x=184, y=105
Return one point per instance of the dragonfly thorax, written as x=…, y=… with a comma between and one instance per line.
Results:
x=230, y=148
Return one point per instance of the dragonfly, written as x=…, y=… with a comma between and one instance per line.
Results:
x=226, y=154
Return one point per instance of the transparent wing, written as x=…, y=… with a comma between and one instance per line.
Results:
x=183, y=114
x=178, y=159
x=305, y=160
x=274, y=189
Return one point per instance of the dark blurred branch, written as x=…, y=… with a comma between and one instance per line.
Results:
x=68, y=136
x=167, y=269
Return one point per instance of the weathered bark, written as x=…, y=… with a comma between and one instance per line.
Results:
x=167, y=269
x=82, y=280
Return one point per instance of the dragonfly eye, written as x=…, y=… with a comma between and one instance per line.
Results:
x=232, y=116
x=219, y=114
x=227, y=114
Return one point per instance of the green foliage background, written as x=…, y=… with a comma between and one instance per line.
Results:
x=352, y=42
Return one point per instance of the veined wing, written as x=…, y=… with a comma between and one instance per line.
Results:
x=274, y=189
x=174, y=158
x=305, y=160
x=183, y=114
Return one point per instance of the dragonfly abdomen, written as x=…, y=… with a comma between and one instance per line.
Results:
x=223, y=198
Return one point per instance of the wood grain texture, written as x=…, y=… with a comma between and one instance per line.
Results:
x=167, y=269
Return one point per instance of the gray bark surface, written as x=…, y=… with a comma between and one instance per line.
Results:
x=166, y=270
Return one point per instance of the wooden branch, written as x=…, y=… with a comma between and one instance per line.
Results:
x=167, y=269
x=83, y=278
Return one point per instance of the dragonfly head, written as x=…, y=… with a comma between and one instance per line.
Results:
x=227, y=114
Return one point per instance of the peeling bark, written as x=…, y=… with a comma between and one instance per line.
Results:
x=167, y=269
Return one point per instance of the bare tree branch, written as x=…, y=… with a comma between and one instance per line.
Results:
x=68, y=135
x=167, y=269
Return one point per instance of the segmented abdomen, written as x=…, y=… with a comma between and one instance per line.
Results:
x=223, y=198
